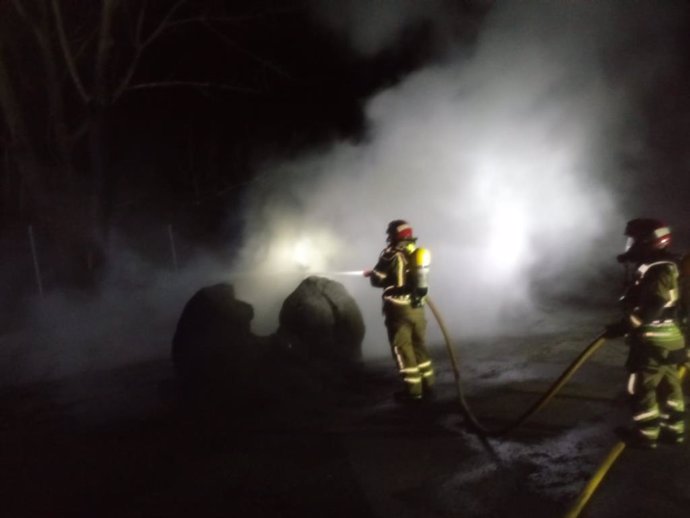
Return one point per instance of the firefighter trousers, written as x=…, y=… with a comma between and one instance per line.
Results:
x=406, y=328
x=658, y=401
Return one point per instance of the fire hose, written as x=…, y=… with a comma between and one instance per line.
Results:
x=472, y=420
x=485, y=432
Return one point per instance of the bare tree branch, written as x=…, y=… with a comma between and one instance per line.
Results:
x=84, y=45
x=240, y=18
x=67, y=54
x=134, y=27
x=9, y=107
x=141, y=45
x=35, y=28
x=80, y=131
x=167, y=23
x=266, y=63
x=163, y=24
x=193, y=84
x=140, y=23
x=40, y=25
x=103, y=50
x=22, y=12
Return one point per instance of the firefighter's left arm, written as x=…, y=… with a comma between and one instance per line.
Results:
x=377, y=276
x=397, y=281
x=659, y=287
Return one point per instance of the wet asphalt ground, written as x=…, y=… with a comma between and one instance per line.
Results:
x=127, y=443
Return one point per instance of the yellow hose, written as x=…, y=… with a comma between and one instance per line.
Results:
x=594, y=482
x=593, y=346
x=603, y=469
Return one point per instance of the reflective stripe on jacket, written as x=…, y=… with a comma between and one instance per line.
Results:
x=392, y=274
x=650, y=305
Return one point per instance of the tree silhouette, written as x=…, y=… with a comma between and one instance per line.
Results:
x=66, y=65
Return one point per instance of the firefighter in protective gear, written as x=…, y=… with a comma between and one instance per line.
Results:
x=401, y=271
x=656, y=343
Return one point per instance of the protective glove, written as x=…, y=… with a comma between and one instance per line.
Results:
x=367, y=273
x=617, y=329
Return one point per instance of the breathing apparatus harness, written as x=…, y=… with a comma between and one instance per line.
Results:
x=408, y=284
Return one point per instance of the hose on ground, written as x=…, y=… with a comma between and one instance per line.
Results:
x=474, y=423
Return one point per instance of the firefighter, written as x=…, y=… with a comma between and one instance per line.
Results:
x=656, y=345
x=401, y=271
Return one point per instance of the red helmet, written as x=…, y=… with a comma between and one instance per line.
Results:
x=399, y=230
x=645, y=236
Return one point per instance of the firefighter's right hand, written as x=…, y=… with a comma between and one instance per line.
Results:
x=367, y=273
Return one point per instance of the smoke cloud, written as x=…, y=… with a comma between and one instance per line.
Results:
x=517, y=154
x=506, y=156
x=130, y=320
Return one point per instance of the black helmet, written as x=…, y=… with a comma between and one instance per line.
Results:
x=645, y=237
x=399, y=230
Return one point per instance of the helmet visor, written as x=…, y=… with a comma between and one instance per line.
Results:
x=629, y=243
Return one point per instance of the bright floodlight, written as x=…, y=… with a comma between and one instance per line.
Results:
x=303, y=253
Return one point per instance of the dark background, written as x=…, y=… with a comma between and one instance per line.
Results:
x=233, y=82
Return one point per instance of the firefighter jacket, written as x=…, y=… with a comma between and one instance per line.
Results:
x=650, y=307
x=394, y=272
x=684, y=303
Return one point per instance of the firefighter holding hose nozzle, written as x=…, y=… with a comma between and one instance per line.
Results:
x=401, y=271
x=656, y=344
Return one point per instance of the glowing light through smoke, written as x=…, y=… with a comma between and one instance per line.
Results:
x=507, y=240
x=308, y=252
x=303, y=253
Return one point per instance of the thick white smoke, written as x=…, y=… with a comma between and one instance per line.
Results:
x=517, y=159
x=131, y=320
x=501, y=156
